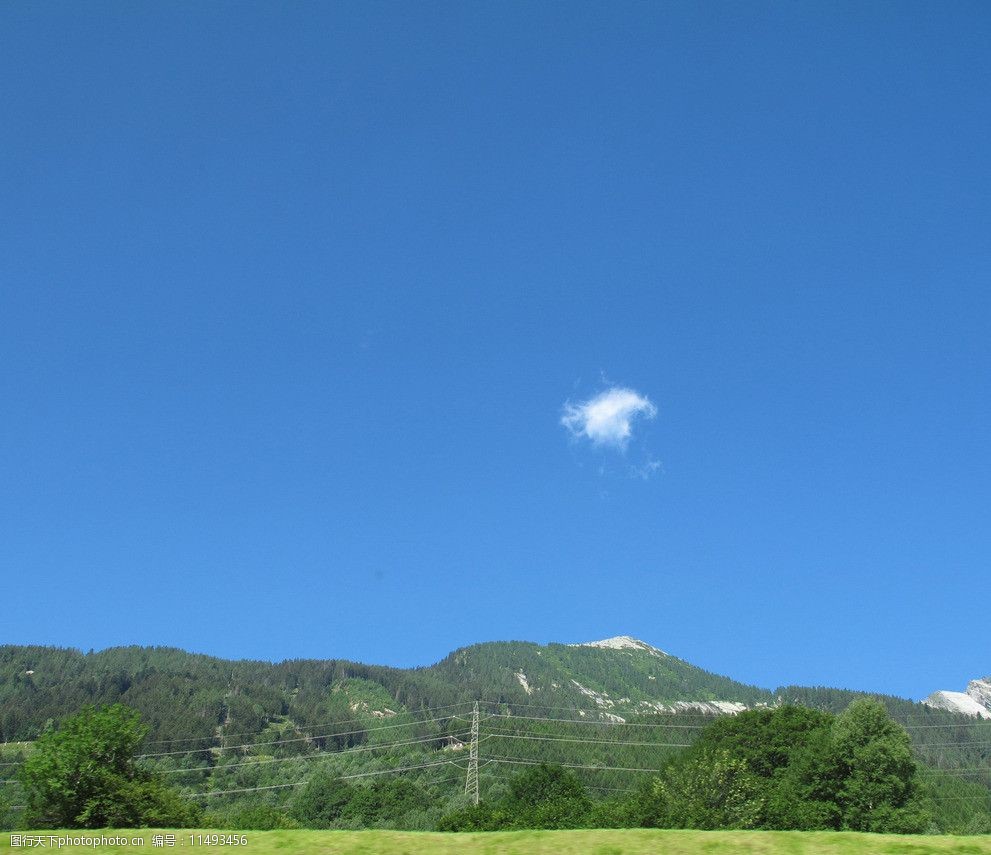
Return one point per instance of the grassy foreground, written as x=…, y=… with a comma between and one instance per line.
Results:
x=606, y=842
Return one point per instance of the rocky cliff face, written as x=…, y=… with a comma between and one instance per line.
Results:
x=980, y=691
x=976, y=701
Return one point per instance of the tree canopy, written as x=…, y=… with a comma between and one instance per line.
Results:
x=84, y=775
x=543, y=796
x=795, y=768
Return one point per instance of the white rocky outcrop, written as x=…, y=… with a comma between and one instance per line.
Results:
x=611, y=718
x=976, y=701
x=705, y=707
x=601, y=699
x=622, y=642
x=980, y=691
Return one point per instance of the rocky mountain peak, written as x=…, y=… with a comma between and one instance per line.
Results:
x=622, y=642
x=980, y=691
x=976, y=701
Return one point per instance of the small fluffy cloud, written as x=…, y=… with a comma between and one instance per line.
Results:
x=606, y=419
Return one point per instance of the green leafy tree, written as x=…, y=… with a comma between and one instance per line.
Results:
x=480, y=817
x=6, y=820
x=747, y=771
x=328, y=802
x=802, y=794
x=876, y=771
x=544, y=796
x=322, y=801
x=766, y=739
x=259, y=817
x=714, y=790
x=388, y=803
x=792, y=768
x=543, y=783
x=547, y=796
x=84, y=775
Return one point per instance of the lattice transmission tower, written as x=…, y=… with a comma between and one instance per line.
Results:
x=471, y=782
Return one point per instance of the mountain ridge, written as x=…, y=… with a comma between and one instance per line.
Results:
x=334, y=704
x=615, y=709
x=610, y=679
x=975, y=702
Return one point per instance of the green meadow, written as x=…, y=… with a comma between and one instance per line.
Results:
x=596, y=842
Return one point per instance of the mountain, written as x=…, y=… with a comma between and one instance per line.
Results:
x=185, y=694
x=607, y=680
x=616, y=680
x=976, y=701
x=190, y=695
x=612, y=710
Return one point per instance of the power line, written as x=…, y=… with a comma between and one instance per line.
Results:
x=303, y=783
x=490, y=775
x=974, y=772
x=649, y=712
x=520, y=762
x=587, y=741
x=303, y=758
x=246, y=790
x=396, y=770
x=471, y=789
x=308, y=725
x=217, y=737
x=986, y=724
x=597, y=723
x=959, y=770
x=609, y=789
x=294, y=739
x=935, y=772
x=981, y=799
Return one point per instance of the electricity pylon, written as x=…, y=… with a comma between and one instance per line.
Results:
x=471, y=782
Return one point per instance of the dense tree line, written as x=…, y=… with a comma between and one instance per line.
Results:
x=796, y=768
x=776, y=768
x=782, y=768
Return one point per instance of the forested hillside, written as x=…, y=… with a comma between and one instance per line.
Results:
x=184, y=694
x=248, y=735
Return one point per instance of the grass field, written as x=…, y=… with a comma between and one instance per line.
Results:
x=609, y=842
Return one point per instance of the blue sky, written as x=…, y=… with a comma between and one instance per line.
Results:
x=300, y=306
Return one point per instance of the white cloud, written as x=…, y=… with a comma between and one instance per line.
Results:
x=606, y=419
x=647, y=469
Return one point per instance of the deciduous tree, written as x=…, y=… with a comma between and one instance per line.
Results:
x=84, y=775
